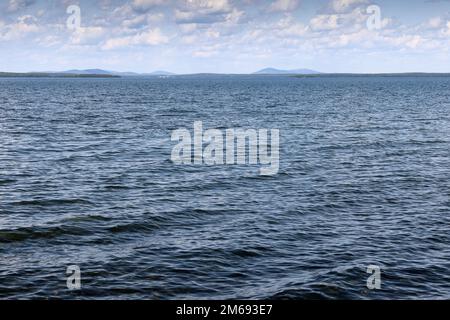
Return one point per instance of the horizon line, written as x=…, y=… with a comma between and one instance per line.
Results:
x=155, y=73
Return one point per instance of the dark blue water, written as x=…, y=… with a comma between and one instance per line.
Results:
x=86, y=179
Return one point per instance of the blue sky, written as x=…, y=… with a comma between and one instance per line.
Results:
x=226, y=36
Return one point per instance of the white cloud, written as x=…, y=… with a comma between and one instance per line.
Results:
x=344, y=6
x=142, y=20
x=145, y=5
x=206, y=52
x=151, y=37
x=284, y=5
x=226, y=29
x=325, y=22
x=24, y=26
x=435, y=22
x=16, y=5
x=88, y=35
x=188, y=27
x=189, y=40
x=234, y=16
x=203, y=11
x=447, y=32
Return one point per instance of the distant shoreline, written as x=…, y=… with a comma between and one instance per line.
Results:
x=52, y=75
x=321, y=75
x=405, y=74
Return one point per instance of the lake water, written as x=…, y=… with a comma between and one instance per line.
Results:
x=86, y=179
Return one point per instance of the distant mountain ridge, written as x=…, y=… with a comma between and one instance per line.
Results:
x=115, y=73
x=54, y=75
x=160, y=73
x=272, y=71
x=278, y=71
x=87, y=71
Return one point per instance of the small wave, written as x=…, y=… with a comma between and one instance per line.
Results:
x=315, y=291
x=246, y=253
x=32, y=233
x=87, y=218
x=7, y=181
x=134, y=227
x=50, y=202
x=298, y=294
x=117, y=187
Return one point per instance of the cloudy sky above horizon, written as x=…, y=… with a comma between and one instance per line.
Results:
x=226, y=36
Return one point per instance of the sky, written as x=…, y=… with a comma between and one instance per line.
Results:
x=225, y=36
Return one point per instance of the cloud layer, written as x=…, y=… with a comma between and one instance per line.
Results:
x=227, y=35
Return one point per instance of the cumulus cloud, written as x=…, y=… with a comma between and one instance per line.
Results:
x=16, y=5
x=205, y=53
x=203, y=11
x=151, y=37
x=284, y=5
x=142, y=20
x=223, y=28
x=344, y=6
x=447, y=32
x=346, y=21
x=146, y=5
x=22, y=27
x=325, y=22
x=88, y=35
x=435, y=22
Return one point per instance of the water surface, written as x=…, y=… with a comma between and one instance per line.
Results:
x=86, y=179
